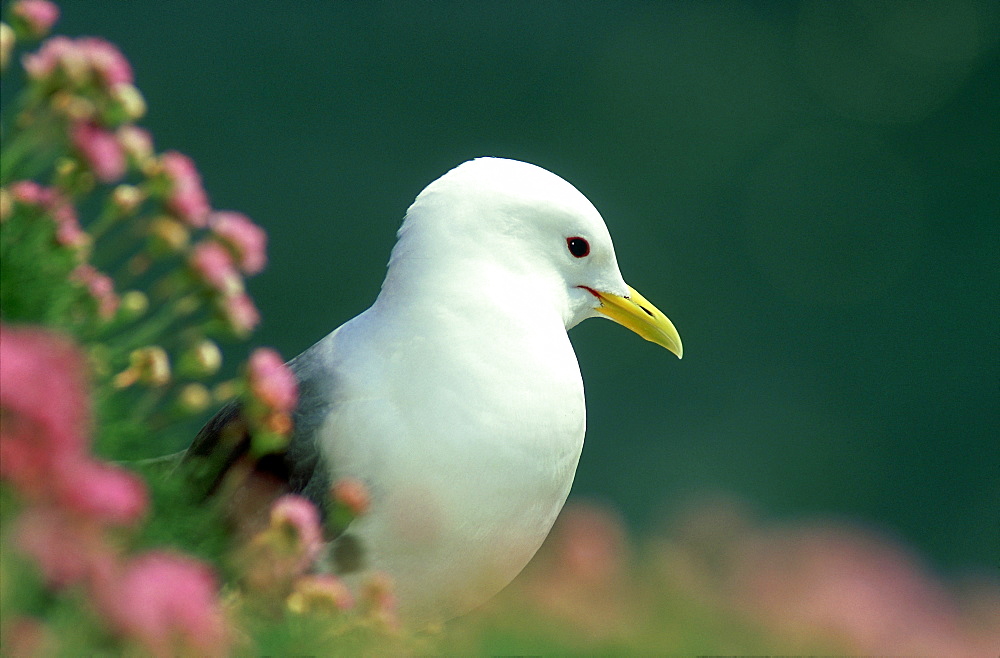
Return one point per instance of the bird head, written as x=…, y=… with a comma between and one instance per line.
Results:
x=503, y=221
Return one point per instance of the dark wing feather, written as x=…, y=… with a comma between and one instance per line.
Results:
x=224, y=441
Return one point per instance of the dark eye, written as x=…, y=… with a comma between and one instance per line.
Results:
x=579, y=247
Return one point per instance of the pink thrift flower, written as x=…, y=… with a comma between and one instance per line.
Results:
x=846, y=584
x=213, y=265
x=68, y=230
x=271, y=381
x=247, y=240
x=28, y=636
x=100, y=150
x=186, y=197
x=240, y=313
x=167, y=603
x=296, y=518
x=43, y=396
x=102, y=492
x=43, y=64
x=100, y=286
x=106, y=61
x=31, y=193
x=65, y=550
x=37, y=16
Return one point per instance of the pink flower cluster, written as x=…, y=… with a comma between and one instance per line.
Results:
x=100, y=286
x=50, y=201
x=814, y=585
x=855, y=588
x=87, y=60
x=245, y=240
x=273, y=393
x=236, y=246
x=43, y=445
x=271, y=381
x=100, y=149
x=70, y=499
x=285, y=550
x=186, y=198
x=89, y=82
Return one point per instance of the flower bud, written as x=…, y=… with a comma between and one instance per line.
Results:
x=278, y=422
x=352, y=495
x=240, y=314
x=34, y=18
x=320, y=593
x=226, y=391
x=148, y=365
x=6, y=204
x=73, y=107
x=134, y=305
x=127, y=198
x=72, y=178
x=130, y=100
x=169, y=235
x=202, y=359
x=7, y=41
x=138, y=146
x=194, y=398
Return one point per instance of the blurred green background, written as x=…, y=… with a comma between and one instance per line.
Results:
x=809, y=190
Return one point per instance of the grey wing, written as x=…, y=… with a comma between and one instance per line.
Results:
x=225, y=440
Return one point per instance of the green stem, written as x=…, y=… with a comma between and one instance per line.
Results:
x=29, y=151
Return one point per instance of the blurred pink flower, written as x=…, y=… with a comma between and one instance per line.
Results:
x=43, y=395
x=352, y=494
x=378, y=599
x=186, y=197
x=271, y=381
x=80, y=61
x=27, y=636
x=100, y=150
x=106, y=61
x=38, y=16
x=47, y=199
x=66, y=549
x=849, y=586
x=240, y=313
x=31, y=193
x=167, y=603
x=213, y=265
x=295, y=520
x=581, y=574
x=100, y=286
x=49, y=58
x=68, y=231
x=101, y=492
x=247, y=240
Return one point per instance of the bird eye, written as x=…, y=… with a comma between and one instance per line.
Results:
x=579, y=247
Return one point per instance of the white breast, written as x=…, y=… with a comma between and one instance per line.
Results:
x=467, y=472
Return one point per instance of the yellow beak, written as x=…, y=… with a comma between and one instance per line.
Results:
x=637, y=314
